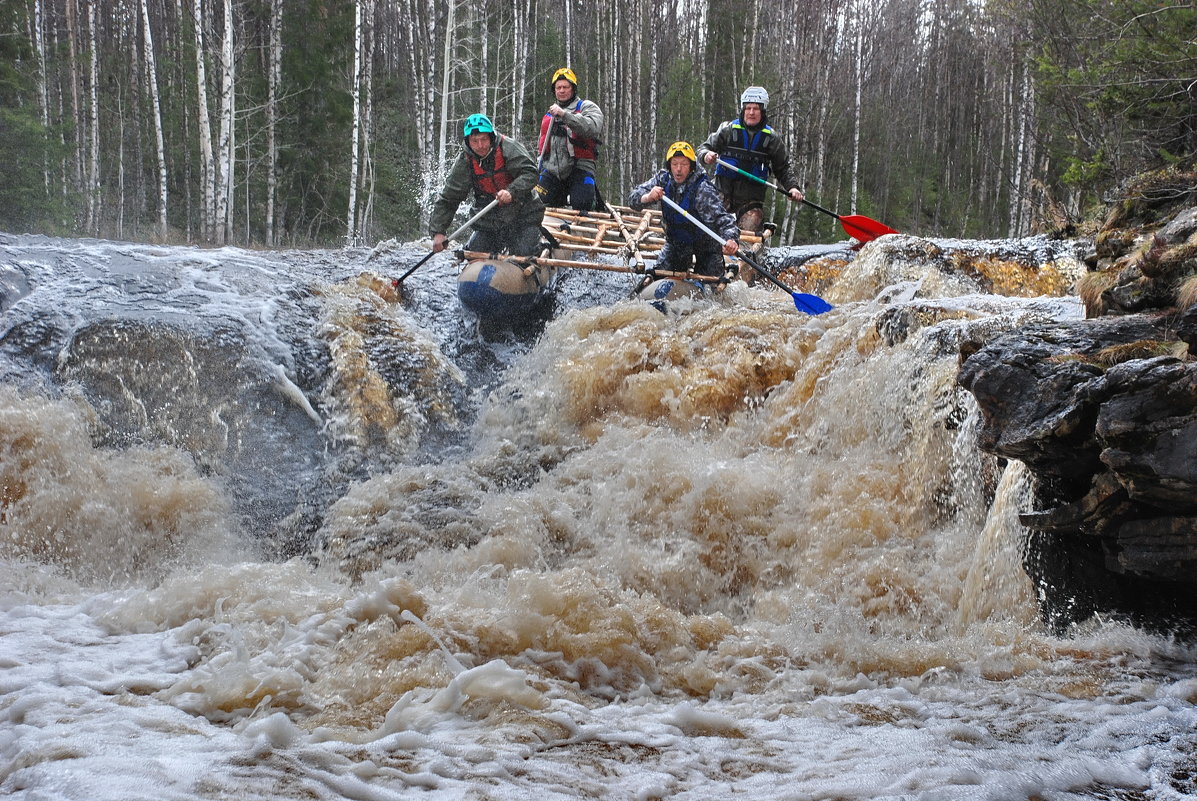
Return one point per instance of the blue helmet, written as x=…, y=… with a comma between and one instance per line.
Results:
x=478, y=123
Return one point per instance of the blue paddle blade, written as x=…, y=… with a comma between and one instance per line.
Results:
x=811, y=304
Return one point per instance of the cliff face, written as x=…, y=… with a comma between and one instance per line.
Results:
x=1104, y=414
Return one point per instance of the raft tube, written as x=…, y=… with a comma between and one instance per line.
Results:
x=498, y=289
x=663, y=290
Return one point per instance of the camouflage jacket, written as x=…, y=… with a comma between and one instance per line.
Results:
x=706, y=206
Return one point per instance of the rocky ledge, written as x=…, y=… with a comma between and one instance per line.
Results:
x=1103, y=412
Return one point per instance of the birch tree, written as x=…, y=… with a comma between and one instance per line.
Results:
x=93, y=168
x=208, y=205
x=352, y=234
x=227, y=152
x=151, y=67
x=39, y=46
x=276, y=66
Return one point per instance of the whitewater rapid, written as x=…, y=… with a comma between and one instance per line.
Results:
x=268, y=533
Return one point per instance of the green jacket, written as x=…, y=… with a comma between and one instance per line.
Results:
x=525, y=208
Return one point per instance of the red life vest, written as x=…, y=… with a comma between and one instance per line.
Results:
x=579, y=147
x=490, y=181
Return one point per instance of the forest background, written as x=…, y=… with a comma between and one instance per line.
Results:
x=298, y=123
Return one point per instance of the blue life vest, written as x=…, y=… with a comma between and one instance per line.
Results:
x=681, y=229
x=751, y=156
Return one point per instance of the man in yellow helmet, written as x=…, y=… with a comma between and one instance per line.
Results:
x=570, y=132
x=685, y=244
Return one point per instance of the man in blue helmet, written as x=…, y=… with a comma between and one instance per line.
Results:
x=491, y=166
x=751, y=144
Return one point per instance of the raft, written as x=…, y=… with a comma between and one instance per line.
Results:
x=500, y=289
x=663, y=290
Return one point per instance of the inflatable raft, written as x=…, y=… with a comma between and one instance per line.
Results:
x=500, y=289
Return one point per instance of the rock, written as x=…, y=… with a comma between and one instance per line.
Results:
x=1104, y=414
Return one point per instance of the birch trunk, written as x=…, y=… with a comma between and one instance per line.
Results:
x=856, y=108
x=224, y=193
x=76, y=79
x=1021, y=156
x=39, y=44
x=93, y=168
x=484, y=75
x=276, y=68
x=446, y=83
x=518, y=65
x=204, y=123
x=151, y=67
x=351, y=233
x=365, y=219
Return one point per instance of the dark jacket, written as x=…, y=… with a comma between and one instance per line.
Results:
x=758, y=147
x=705, y=205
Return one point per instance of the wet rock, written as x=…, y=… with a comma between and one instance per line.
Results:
x=1104, y=414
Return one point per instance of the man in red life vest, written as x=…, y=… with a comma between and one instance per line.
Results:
x=491, y=166
x=570, y=132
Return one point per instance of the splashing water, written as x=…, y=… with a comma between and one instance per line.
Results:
x=727, y=550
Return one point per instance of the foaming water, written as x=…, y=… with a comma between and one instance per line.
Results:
x=728, y=550
x=99, y=515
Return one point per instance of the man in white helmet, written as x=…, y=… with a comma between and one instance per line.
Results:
x=751, y=144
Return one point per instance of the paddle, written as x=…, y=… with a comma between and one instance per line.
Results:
x=856, y=226
x=811, y=304
x=396, y=282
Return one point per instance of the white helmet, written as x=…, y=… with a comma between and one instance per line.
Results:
x=755, y=94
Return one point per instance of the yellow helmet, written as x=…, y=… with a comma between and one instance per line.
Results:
x=567, y=74
x=680, y=149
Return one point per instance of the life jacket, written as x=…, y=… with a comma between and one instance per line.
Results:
x=680, y=228
x=490, y=181
x=579, y=147
x=750, y=156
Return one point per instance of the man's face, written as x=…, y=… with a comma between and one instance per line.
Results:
x=479, y=143
x=563, y=89
x=752, y=113
x=679, y=168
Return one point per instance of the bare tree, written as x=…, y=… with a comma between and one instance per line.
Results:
x=151, y=67
x=272, y=99
x=352, y=233
x=208, y=205
x=227, y=152
x=93, y=169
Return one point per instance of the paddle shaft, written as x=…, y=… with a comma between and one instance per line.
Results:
x=812, y=304
x=721, y=240
x=697, y=222
x=485, y=210
x=854, y=226
x=773, y=186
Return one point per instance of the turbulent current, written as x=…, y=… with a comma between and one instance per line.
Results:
x=269, y=531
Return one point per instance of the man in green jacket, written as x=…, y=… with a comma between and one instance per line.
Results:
x=492, y=166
